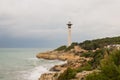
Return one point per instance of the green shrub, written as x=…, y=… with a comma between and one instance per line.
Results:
x=110, y=68
x=96, y=76
x=86, y=67
x=99, y=43
x=87, y=54
x=71, y=46
x=61, y=48
x=97, y=57
x=65, y=48
x=68, y=74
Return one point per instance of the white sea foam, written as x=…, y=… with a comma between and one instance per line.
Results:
x=35, y=73
x=21, y=64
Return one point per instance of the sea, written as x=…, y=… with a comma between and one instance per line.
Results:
x=22, y=64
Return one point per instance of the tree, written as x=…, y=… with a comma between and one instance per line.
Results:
x=110, y=68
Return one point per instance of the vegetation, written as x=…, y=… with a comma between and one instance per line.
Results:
x=109, y=66
x=96, y=57
x=65, y=48
x=99, y=43
x=106, y=60
x=61, y=48
x=86, y=67
x=71, y=46
x=68, y=74
x=92, y=44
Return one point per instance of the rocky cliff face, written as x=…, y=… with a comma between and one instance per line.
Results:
x=49, y=76
x=52, y=55
x=82, y=75
x=73, y=61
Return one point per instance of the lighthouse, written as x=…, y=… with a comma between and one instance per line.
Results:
x=69, y=33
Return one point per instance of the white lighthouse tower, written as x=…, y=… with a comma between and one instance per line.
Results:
x=69, y=33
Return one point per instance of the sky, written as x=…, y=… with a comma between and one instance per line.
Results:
x=42, y=23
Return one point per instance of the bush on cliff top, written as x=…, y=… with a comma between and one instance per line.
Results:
x=86, y=67
x=65, y=48
x=61, y=48
x=99, y=43
x=68, y=74
x=96, y=57
x=109, y=66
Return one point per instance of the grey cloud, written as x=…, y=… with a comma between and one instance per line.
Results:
x=45, y=20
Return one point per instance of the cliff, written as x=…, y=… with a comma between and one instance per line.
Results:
x=60, y=55
x=73, y=61
x=91, y=64
x=48, y=76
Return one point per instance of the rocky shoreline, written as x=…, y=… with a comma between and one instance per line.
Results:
x=73, y=61
x=59, y=55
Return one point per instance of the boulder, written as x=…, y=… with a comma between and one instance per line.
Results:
x=48, y=76
x=58, y=68
x=52, y=55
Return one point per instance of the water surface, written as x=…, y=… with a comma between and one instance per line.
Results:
x=22, y=64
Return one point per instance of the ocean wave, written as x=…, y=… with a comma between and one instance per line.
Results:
x=39, y=66
x=33, y=74
x=36, y=72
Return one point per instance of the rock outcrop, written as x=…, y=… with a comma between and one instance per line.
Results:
x=73, y=61
x=82, y=75
x=52, y=55
x=48, y=76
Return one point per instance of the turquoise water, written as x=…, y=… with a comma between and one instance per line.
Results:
x=22, y=64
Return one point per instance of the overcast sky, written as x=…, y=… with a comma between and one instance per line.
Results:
x=42, y=23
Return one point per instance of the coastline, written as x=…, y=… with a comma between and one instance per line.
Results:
x=72, y=60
